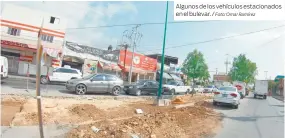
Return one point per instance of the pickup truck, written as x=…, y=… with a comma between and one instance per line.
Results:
x=261, y=89
x=175, y=87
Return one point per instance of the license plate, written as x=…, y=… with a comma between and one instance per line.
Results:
x=225, y=95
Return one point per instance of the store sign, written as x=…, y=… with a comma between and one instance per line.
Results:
x=139, y=61
x=17, y=44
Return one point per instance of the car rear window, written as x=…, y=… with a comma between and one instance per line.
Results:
x=228, y=89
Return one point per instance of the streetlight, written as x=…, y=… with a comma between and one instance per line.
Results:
x=162, y=55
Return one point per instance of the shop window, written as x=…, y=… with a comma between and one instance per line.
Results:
x=47, y=38
x=14, y=31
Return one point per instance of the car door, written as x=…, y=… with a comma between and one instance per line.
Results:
x=98, y=84
x=111, y=80
x=154, y=87
x=56, y=75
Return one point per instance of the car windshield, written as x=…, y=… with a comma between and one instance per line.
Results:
x=88, y=76
x=228, y=89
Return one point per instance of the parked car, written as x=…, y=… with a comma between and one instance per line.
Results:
x=227, y=95
x=4, y=67
x=62, y=74
x=142, y=87
x=175, y=87
x=198, y=88
x=210, y=89
x=96, y=83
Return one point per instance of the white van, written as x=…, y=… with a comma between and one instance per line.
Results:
x=4, y=67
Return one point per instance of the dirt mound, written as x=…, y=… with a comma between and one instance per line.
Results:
x=205, y=104
x=9, y=107
x=161, y=123
x=87, y=111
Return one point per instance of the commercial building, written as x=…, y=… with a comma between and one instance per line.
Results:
x=19, y=35
x=171, y=69
x=90, y=59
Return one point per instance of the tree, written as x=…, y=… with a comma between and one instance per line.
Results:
x=243, y=70
x=195, y=68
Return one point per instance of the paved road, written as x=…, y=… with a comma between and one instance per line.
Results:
x=255, y=118
x=19, y=86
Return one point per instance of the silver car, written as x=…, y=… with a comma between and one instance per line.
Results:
x=96, y=83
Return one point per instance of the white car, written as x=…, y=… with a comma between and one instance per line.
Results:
x=209, y=89
x=227, y=95
x=4, y=67
x=198, y=88
x=62, y=74
x=175, y=87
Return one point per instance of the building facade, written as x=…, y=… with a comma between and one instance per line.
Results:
x=19, y=35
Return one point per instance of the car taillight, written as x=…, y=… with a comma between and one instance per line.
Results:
x=233, y=95
x=216, y=92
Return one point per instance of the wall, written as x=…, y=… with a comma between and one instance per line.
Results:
x=30, y=26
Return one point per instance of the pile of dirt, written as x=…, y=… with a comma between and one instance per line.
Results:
x=207, y=104
x=9, y=107
x=155, y=122
x=87, y=111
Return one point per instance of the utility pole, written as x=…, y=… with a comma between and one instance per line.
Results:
x=39, y=55
x=265, y=74
x=227, y=63
x=136, y=37
x=216, y=71
x=162, y=56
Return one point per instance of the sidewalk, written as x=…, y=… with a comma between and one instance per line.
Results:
x=280, y=98
x=50, y=131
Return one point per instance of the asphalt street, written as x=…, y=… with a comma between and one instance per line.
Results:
x=20, y=86
x=255, y=118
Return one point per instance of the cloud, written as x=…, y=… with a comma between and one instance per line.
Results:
x=84, y=14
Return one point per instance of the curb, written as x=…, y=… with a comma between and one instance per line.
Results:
x=278, y=98
x=21, y=78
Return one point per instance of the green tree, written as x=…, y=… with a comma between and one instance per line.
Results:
x=195, y=68
x=243, y=70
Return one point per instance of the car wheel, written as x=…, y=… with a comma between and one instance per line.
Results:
x=44, y=80
x=264, y=97
x=116, y=90
x=215, y=103
x=80, y=89
x=172, y=91
x=235, y=106
x=138, y=92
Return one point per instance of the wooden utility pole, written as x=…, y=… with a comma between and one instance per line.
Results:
x=227, y=63
x=38, y=77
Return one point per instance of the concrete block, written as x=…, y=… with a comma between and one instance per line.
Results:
x=162, y=102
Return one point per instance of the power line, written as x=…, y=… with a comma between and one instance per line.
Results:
x=132, y=24
x=218, y=39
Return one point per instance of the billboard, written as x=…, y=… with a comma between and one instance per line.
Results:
x=139, y=61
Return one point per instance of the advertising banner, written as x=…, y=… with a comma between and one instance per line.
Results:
x=140, y=61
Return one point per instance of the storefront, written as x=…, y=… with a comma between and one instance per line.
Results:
x=143, y=67
x=22, y=56
x=90, y=59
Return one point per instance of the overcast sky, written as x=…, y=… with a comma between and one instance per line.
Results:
x=265, y=48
